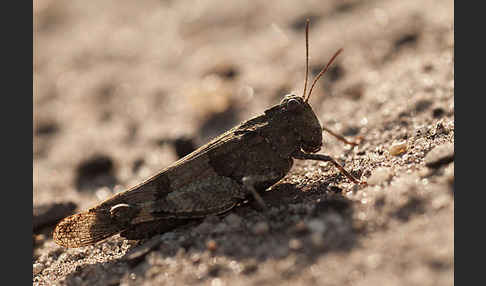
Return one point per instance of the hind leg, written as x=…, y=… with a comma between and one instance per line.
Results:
x=212, y=196
x=151, y=228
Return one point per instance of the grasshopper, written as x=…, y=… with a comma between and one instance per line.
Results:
x=213, y=179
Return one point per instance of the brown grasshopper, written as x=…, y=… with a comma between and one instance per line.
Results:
x=214, y=178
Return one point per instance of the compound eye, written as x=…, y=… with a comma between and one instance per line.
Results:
x=293, y=104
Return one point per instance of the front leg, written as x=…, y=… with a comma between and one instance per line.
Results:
x=319, y=157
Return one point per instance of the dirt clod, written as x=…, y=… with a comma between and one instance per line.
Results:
x=439, y=156
x=95, y=172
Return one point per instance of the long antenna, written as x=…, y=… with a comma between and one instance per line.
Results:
x=306, y=55
x=322, y=72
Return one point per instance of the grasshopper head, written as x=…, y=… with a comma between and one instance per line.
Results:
x=298, y=115
x=303, y=121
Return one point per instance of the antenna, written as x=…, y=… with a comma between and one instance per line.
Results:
x=306, y=55
x=322, y=72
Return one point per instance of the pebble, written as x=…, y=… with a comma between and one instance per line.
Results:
x=295, y=244
x=398, y=148
x=379, y=176
x=440, y=129
x=211, y=245
x=37, y=268
x=440, y=155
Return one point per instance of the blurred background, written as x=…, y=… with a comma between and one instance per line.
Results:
x=124, y=88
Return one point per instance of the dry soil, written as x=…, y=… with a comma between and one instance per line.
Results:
x=124, y=87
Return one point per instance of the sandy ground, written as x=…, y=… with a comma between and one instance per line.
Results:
x=122, y=87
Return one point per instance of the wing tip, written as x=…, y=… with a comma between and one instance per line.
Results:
x=84, y=229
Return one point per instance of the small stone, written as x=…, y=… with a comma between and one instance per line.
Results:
x=379, y=176
x=295, y=244
x=211, y=245
x=195, y=258
x=398, y=148
x=440, y=155
x=260, y=228
x=37, y=268
x=440, y=128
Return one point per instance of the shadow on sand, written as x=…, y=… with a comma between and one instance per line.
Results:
x=308, y=224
